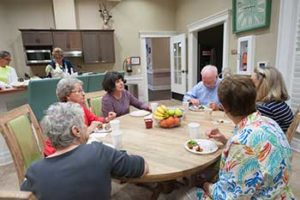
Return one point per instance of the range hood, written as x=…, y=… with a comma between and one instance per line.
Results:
x=72, y=54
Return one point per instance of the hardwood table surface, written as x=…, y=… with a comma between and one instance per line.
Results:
x=163, y=148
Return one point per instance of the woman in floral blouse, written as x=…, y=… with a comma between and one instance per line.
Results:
x=256, y=160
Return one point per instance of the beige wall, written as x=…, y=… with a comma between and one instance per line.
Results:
x=129, y=17
x=23, y=14
x=189, y=11
x=161, y=53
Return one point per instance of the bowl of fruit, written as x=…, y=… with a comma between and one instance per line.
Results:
x=168, y=117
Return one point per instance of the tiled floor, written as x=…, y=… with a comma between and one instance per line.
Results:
x=9, y=181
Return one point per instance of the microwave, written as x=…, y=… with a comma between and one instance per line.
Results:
x=39, y=56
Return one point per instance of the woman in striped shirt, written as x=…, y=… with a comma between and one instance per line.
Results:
x=271, y=96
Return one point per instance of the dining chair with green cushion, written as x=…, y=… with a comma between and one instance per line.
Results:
x=96, y=106
x=94, y=101
x=23, y=136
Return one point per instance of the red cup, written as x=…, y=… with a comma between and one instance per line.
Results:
x=148, y=123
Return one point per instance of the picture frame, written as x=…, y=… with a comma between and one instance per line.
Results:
x=135, y=60
x=246, y=51
x=250, y=15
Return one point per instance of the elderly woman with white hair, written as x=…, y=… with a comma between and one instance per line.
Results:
x=77, y=170
x=70, y=90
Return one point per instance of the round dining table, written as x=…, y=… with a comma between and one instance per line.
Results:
x=163, y=148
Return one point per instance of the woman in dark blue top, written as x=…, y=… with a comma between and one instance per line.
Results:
x=271, y=96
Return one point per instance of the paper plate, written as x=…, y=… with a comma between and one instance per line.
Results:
x=206, y=146
x=198, y=108
x=139, y=113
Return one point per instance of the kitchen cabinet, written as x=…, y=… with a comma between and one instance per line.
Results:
x=37, y=38
x=67, y=40
x=98, y=46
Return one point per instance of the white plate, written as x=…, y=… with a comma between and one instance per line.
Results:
x=198, y=108
x=139, y=113
x=110, y=145
x=207, y=146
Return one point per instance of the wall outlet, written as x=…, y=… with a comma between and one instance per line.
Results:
x=262, y=63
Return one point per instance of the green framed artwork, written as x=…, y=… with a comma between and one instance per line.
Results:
x=250, y=14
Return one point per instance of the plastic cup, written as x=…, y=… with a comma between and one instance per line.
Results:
x=185, y=106
x=207, y=113
x=148, y=123
x=115, y=125
x=194, y=130
x=117, y=139
x=153, y=106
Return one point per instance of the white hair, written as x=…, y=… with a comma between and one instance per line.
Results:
x=209, y=69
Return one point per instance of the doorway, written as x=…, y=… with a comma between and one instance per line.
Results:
x=210, y=49
x=158, y=68
x=221, y=18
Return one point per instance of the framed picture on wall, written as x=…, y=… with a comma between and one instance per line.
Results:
x=245, y=59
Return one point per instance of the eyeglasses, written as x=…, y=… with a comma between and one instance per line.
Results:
x=7, y=59
x=78, y=91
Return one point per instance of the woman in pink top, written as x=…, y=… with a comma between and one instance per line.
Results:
x=118, y=99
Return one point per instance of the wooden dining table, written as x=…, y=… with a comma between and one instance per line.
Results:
x=163, y=148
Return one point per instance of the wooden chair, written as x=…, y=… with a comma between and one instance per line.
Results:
x=293, y=126
x=16, y=195
x=94, y=101
x=23, y=136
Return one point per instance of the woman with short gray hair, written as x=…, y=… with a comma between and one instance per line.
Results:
x=77, y=170
x=70, y=90
x=8, y=74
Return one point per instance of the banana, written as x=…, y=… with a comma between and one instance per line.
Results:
x=158, y=117
x=160, y=110
x=156, y=113
x=164, y=108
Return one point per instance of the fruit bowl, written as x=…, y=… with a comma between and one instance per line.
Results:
x=169, y=122
x=168, y=117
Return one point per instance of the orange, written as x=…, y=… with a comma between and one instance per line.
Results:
x=170, y=122
x=163, y=123
x=176, y=121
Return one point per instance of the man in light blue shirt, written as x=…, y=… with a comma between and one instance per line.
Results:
x=206, y=91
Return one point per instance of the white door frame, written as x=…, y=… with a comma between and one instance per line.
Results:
x=193, y=29
x=285, y=47
x=143, y=36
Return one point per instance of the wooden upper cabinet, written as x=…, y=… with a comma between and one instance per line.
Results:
x=37, y=38
x=67, y=40
x=98, y=46
x=107, y=47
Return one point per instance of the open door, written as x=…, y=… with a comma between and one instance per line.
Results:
x=178, y=64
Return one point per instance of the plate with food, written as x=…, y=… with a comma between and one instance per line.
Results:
x=139, y=113
x=198, y=108
x=201, y=146
x=103, y=128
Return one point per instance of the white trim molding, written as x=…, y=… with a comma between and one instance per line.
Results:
x=193, y=29
x=286, y=40
x=143, y=36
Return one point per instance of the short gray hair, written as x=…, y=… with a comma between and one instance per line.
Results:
x=209, y=69
x=65, y=86
x=4, y=54
x=59, y=120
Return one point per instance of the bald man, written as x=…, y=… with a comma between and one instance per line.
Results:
x=205, y=92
